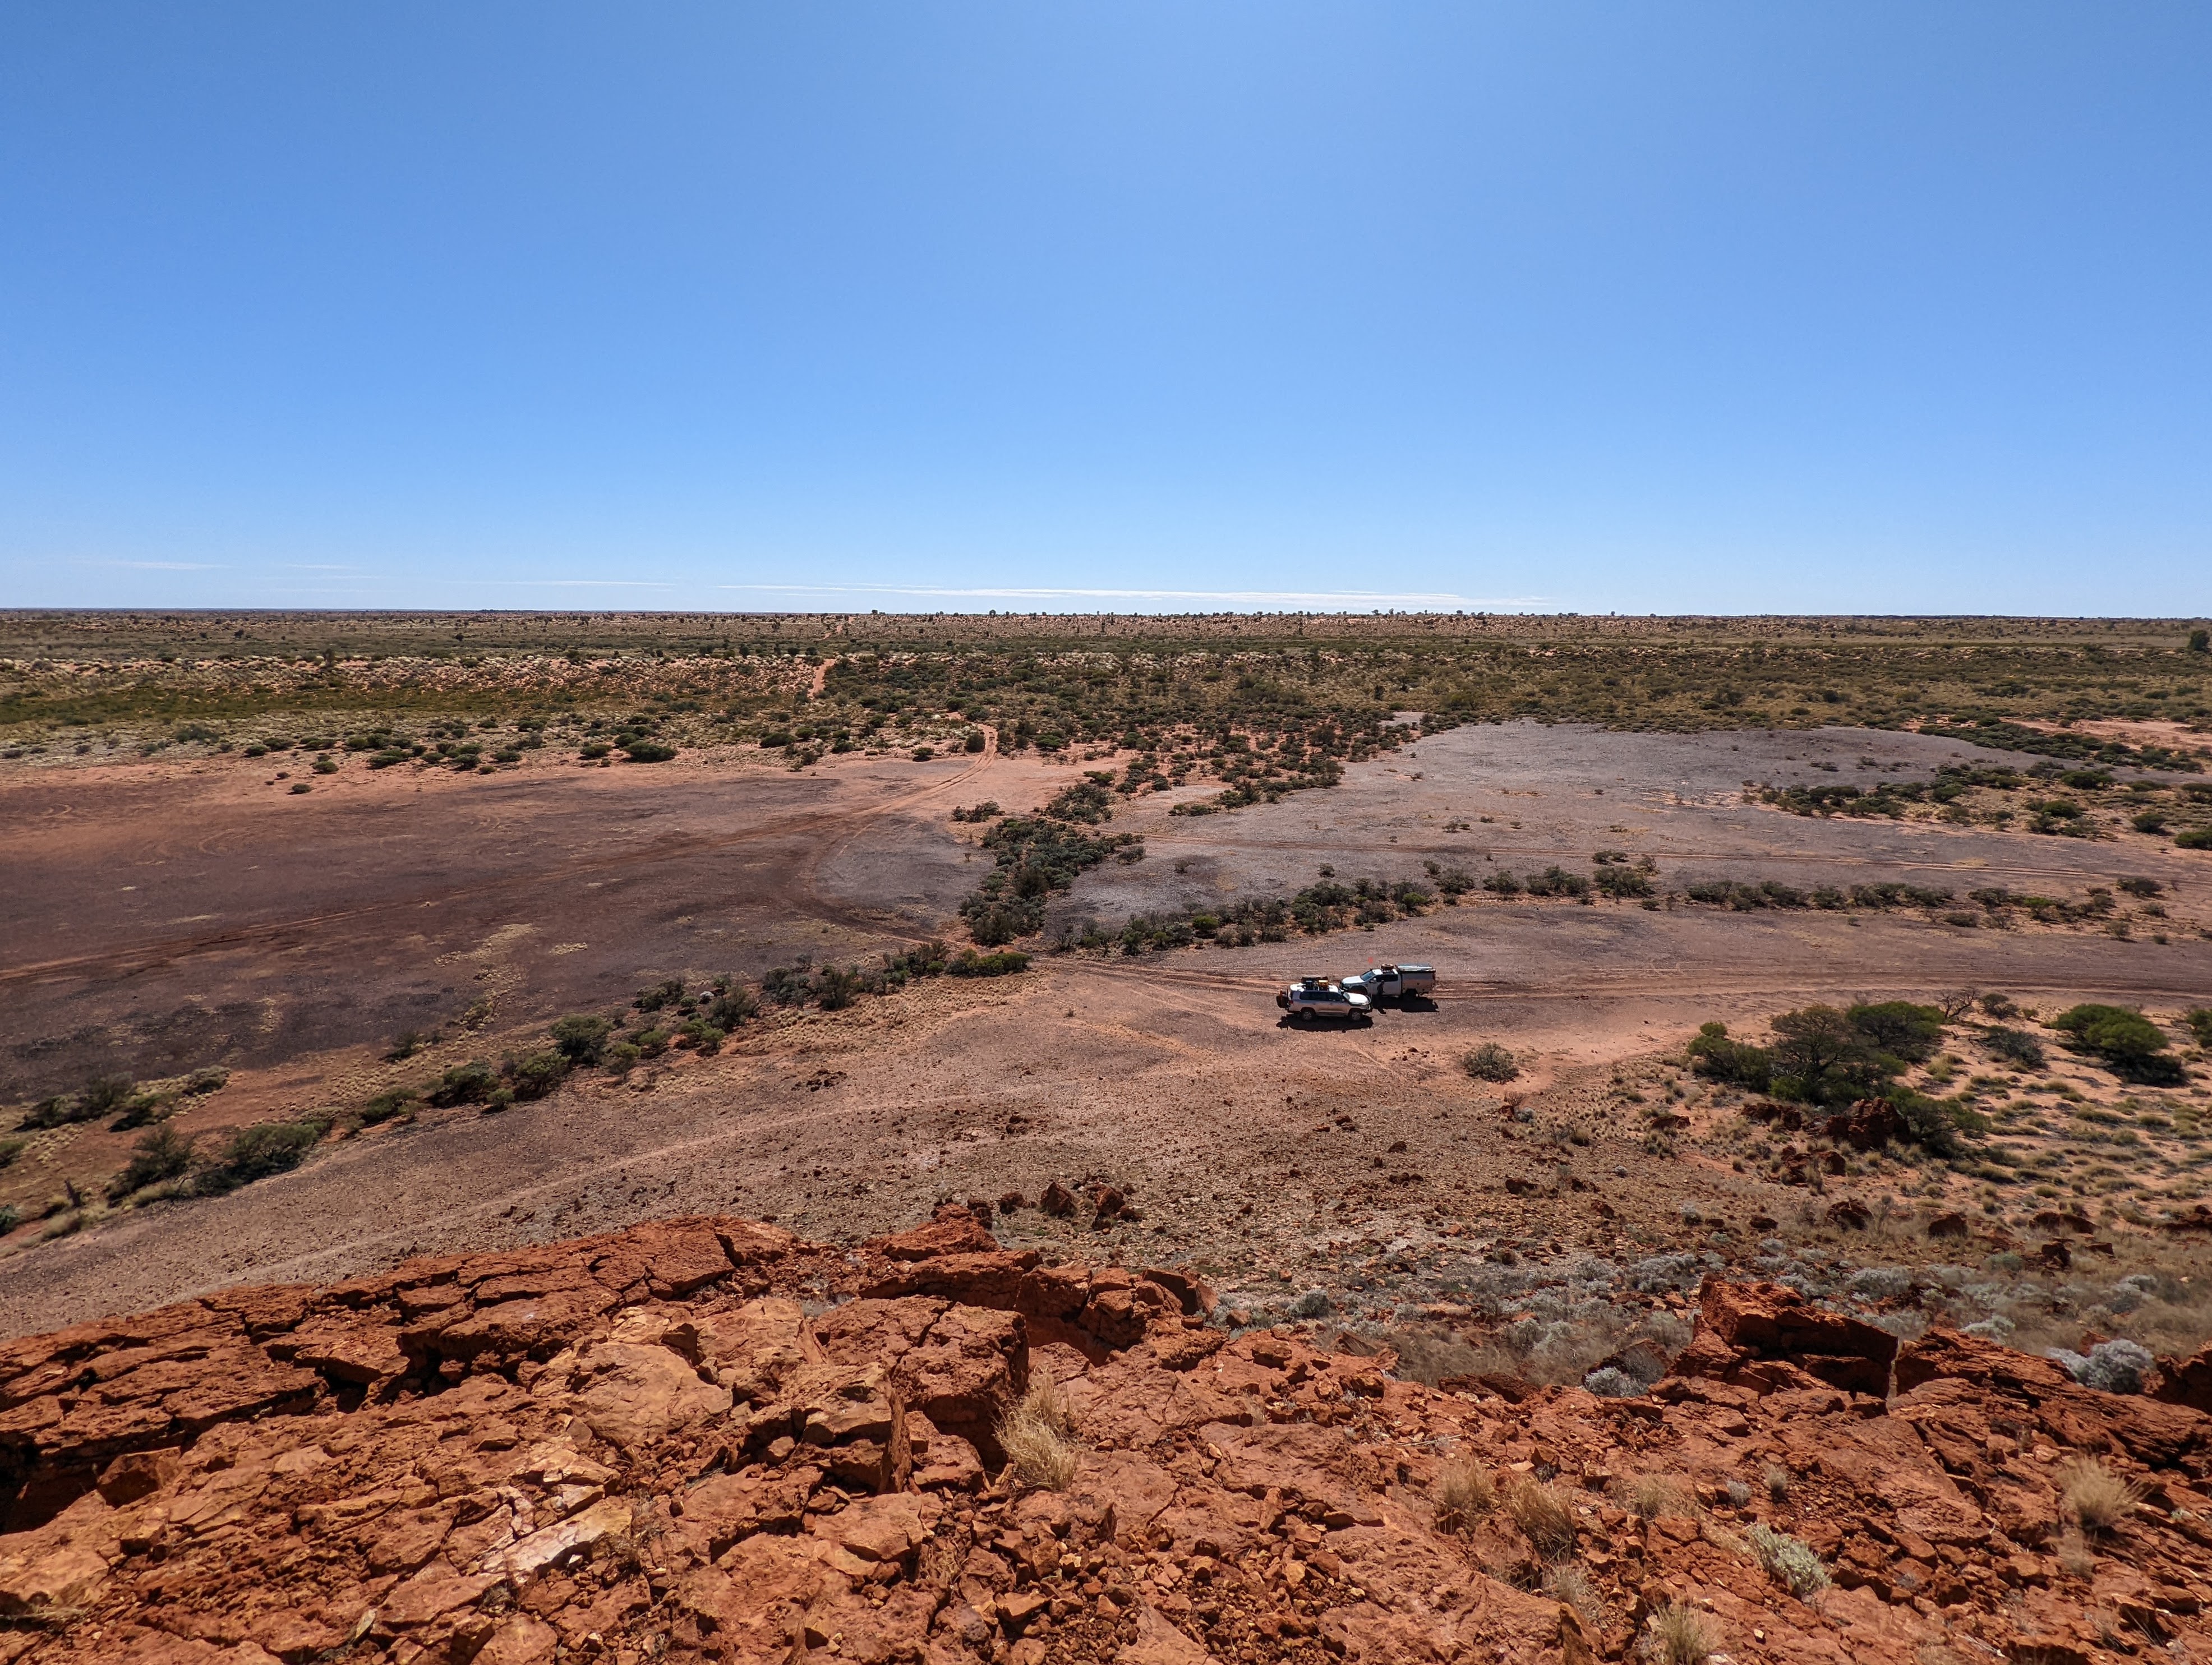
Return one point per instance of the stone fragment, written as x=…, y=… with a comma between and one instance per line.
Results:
x=632, y=1395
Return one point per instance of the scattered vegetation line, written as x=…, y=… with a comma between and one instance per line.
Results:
x=1256, y=706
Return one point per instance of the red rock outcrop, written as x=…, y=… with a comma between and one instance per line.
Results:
x=703, y=1439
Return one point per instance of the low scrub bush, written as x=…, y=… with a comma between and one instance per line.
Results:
x=472, y=1083
x=1557, y=882
x=2015, y=1047
x=1490, y=1062
x=538, y=1074
x=702, y=1036
x=1717, y=1058
x=969, y=963
x=388, y=1104
x=732, y=1007
x=256, y=1152
x=103, y=1095
x=582, y=1039
x=1618, y=881
x=2128, y=1043
x=160, y=1154
x=1788, y=1561
x=2118, y=1366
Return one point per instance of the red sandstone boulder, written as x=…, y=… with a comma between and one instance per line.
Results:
x=956, y=1230
x=1768, y=1337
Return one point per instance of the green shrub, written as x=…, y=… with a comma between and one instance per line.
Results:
x=326, y=764
x=1820, y=1055
x=2129, y=1042
x=2195, y=838
x=834, y=988
x=103, y=1095
x=142, y=1109
x=386, y=1105
x=1899, y=1028
x=259, y=1152
x=2200, y=1025
x=650, y=1042
x=668, y=992
x=705, y=1038
x=1490, y=1062
x=972, y=964
x=621, y=1057
x=10, y=1150
x=11, y=1218
x=1932, y=1126
x=538, y=1073
x=2015, y=1047
x=1620, y=881
x=593, y=751
x=472, y=1082
x=1559, y=881
x=1037, y=856
x=161, y=1153
x=1717, y=1058
x=648, y=751
x=1503, y=883
x=732, y=1007
x=582, y=1038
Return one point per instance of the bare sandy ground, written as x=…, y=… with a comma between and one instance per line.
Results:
x=335, y=915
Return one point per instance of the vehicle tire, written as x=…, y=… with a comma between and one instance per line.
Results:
x=1304, y=1014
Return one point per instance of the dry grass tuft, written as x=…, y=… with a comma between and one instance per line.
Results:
x=1679, y=1635
x=1778, y=1484
x=1542, y=1515
x=1038, y=1437
x=1650, y=1495
x=2094, y=1496
x=1464, y=1495
x=2075, y=1555
x=1570, y=1585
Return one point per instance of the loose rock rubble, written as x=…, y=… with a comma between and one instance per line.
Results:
x=705, y=1438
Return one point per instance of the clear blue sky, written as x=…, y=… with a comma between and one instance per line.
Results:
x=1858, y=306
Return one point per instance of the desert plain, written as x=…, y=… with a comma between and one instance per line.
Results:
x=335, y=945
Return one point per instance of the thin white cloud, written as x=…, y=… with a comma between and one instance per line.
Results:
x=1335, y=599
x=158, y=566
x=569, y=583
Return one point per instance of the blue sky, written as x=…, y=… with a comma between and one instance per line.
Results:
x=1866, y=306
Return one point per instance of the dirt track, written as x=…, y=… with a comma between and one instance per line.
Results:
x=331, y=921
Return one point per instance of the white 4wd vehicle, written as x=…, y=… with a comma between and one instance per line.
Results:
x=1311, y=998
x=1392, y=982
